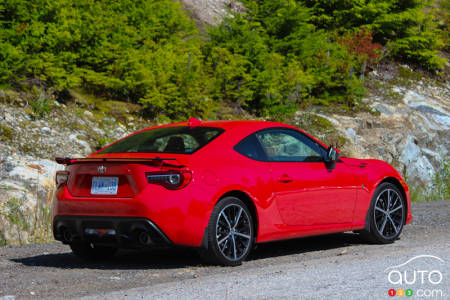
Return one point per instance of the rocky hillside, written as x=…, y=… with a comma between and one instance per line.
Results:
x=409, y=127
x=34, y=129
x=407, y=124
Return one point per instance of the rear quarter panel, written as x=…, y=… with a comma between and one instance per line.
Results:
x=220, y=170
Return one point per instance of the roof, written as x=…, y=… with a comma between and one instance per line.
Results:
x=229, y=124
x=244, y=127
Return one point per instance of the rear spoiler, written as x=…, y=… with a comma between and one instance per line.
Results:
x=158, y=160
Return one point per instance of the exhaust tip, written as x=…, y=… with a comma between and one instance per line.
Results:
x=67, y=236
x=144, y=238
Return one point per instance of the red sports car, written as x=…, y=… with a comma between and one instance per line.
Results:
x=222, y=186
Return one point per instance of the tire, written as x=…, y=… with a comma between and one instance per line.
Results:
x=386, y=215
x=89, y=251
x=230, y=233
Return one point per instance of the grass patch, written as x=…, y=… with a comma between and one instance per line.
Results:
x=102, y=142
x=8, y=95
x=2, y=239
x=34, y=227
x=101, y=107
x=41, y=107
x=6, y=133
x=13, y=211
x=409, y=78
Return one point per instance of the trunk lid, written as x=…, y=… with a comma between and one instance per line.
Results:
x=112, y=177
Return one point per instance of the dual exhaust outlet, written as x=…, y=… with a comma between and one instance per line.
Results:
x=143, y=237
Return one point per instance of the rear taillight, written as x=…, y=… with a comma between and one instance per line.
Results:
x=61, y=178
x=172, y=179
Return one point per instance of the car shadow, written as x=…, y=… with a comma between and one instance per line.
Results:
x=169, y=258
x=305, y=245
x=178, y=257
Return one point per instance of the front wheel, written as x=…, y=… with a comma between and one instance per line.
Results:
x=386, y=214
x=230, y=232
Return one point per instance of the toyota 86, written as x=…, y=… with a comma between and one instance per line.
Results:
x=222, y=187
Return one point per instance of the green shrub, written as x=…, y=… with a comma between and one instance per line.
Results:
x=13, y=211
x=279, y=56
x=281, y=62
x=102, y=142
x=441, y=183
x=438, y=189
x=407, y=28
x=41, y=106
x=130, y=50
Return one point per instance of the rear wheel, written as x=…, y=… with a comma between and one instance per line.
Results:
x=386, y=215
x=89, y=251
x=230, y=233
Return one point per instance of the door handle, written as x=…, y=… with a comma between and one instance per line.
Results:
x=285, y=178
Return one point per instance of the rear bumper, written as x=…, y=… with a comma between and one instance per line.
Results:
x=181, y=215
x=111, y=231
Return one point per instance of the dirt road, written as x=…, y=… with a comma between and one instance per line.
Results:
x=340, y=266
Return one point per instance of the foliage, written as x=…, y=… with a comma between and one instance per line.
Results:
x=407, y=28
x=41, y=106
x=102, y=142
x=131, y=50
x=6, y=133
x=279, y=56
x=360, y=43
x=441, y=182
x=36, y=229
x=439, y=189
x=442, y=13
x=13, y=210
x=283, y=62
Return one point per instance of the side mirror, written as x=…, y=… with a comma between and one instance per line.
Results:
x=332, y=154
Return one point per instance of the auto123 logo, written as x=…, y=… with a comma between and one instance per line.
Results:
x=420, y=276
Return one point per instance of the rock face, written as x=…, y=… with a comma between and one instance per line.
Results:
x=27, y=186
x=412, y=132
x=28, y=146
x=212, y=11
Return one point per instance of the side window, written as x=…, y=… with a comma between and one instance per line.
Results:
x=251, y=148
x=289, y=145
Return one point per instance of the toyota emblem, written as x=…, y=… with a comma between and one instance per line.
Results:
x=101, y=169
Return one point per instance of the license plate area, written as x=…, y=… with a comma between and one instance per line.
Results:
x=104, y=185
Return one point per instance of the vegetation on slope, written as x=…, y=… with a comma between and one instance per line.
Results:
x=279, y=56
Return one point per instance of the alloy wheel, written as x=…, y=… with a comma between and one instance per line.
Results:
x=233, y=232
x=389, y=213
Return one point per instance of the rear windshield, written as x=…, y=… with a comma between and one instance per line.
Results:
x=183, y=140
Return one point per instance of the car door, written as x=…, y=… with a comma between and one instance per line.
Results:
x=306, y=189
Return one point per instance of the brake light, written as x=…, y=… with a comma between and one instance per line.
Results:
x=61, y=177
x=171, y=180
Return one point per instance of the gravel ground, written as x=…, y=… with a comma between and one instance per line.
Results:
x=339, y=266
